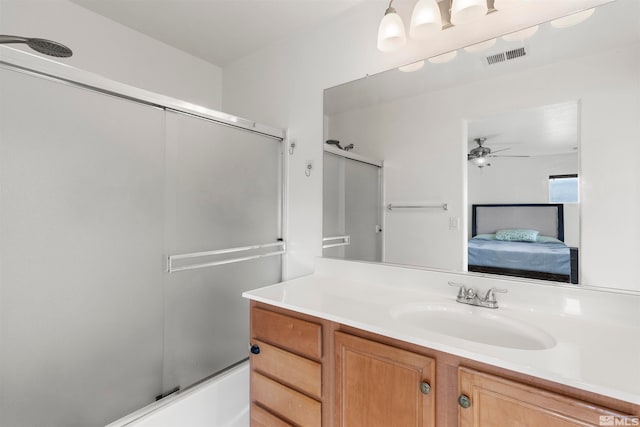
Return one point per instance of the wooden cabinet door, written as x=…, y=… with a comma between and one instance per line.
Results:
x=497, y=402
x=380, y=386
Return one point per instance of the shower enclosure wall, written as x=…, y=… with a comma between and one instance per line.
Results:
x=352, y=208
x=97, y=192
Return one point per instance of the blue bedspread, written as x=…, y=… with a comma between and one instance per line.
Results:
x=551, y=257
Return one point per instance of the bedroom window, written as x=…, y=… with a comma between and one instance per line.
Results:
x=563, y=189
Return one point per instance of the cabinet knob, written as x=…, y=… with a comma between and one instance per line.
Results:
x=425, y=388
x=255, y=349
x=464, y=401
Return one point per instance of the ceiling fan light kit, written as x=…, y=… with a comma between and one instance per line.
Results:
x=431, y=15
x=480, y=155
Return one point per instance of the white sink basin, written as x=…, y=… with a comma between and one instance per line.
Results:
x=471, y=323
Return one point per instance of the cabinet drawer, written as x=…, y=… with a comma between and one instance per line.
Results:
x=298, y=336
x=263, y=418
x=295, y=371
x=285, y=402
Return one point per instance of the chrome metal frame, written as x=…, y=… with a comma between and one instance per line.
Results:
x=346, y=240
x=392, y=206
x=172, y=258
x=353, y=156
x=17, y=60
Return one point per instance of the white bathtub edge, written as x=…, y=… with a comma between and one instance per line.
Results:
x=181, y=395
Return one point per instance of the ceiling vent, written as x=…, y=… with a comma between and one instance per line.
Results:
x=505, y=56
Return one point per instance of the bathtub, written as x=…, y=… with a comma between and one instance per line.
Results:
x=221, y=401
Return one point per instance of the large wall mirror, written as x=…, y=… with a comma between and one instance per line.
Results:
x=513, y=156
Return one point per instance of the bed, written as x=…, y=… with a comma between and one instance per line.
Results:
x=543, y=256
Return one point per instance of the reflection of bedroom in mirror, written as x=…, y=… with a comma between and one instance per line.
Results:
x=523, y=194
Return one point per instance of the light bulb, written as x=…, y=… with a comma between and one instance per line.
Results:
x=521, y=35
x=391, y=35
x=467, y=10
x=479, y=161
x=425, y=19
x=411, y=67
x=574, y=19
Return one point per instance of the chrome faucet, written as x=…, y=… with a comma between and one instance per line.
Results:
x=470, y=296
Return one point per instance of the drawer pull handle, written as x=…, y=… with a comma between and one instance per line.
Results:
x=464, y=401
x=425, y=388
x=255, y=349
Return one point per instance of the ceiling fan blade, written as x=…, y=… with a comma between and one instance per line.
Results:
x=471, y=156
x=497, y=151
x=507, y=156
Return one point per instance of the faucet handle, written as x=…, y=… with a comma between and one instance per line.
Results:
x=490, y=297
x=462, y=292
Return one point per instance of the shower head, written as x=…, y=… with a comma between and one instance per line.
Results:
x=46, y=47
x=334, y=142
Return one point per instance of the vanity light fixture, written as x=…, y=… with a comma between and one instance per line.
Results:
x=391, y=34
x=574, y=19
x=428, y=16
x=411, y=67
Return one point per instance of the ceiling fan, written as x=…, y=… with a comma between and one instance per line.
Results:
x=480, y=155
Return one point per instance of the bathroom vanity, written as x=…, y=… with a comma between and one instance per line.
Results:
x=371, y=345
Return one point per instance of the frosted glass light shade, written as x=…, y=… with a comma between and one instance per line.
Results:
x=521, y=35
x=479, y=47
x=467, y=10
x=425, y=19
x=571, y=20
x=391, y=34
x=411, y=67
x=445, y=57
x=478, y=161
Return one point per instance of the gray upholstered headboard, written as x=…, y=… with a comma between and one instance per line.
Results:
x=548, y=219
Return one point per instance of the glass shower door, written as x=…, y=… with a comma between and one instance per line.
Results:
x=223, y=191
x=351, y=209
x=81, y=260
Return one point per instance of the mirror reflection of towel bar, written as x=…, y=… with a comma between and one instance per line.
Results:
x=346, y=240
x=392, y=206
x=171, y=258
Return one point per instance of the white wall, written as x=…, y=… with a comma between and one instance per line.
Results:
x=423, y=142
x=105, y=47
x=282, y=85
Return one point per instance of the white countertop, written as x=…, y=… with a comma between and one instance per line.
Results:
x=596, y=333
